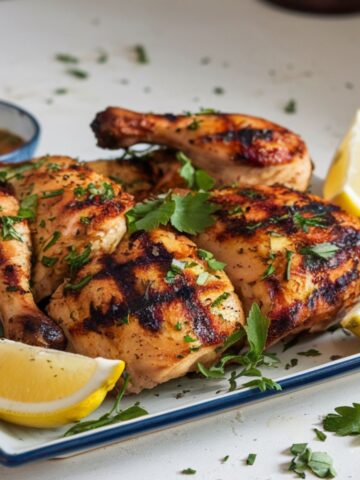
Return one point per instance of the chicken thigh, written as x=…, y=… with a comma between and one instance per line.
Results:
x=294, y=254
x=22, y=320
x=233, y=148
x=79, y=213
x=154, y=302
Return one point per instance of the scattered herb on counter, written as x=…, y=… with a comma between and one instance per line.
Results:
x=320, y=435
x=312, y=352
x=290, y=107
x=324, y=250
x=293, y=363
x=188, y=471
x=291, y=343
x=77, y=73
x=251, y=459
x=113, y=416
x=255, y=331
x=103, y=57
x=66, y=58
x=225, y=459
x=219, y=90
x=61, y=91
x=319, y=463
x=346, y=420
x=141, y=54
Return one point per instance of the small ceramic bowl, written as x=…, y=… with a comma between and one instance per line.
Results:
x=19, y=121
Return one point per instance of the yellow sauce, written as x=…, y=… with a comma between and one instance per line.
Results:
x=9, y=141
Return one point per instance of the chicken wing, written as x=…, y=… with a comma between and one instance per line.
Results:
x=79, y=213
x=154, y=303
x=294, y=254
x=22, y=320
x=233, y=148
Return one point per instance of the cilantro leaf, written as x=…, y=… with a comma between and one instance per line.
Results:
x=320, y=435
x=319, y=463
x=321, y=250
x=28, y=206
x=211, y=260
x=193, y=213
x=195, y=178
x=150, y=214
x=346, y=420
x=256, y=329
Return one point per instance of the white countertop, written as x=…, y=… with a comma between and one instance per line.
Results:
x=262, y=57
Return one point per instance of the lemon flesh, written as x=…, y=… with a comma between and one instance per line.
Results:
x=342, y=184
x=46, y=388
x=351, y=321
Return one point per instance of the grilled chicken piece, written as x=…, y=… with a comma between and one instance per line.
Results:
x=295, y=254
x=143, y=175
x=22, y=320
x=233, y=148
x=146, y=304
x=78, y=210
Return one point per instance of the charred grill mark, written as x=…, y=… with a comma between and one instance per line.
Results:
x=37, y=330
x=283, y=320
x=147, y=306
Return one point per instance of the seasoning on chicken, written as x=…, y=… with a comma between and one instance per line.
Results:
x=294, y=254
x=79, y=213
x=155, y=302
x=233, y=148
x=21, y=319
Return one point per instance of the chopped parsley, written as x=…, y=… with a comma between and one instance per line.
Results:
x=312, y=352
x=103, y=192
x=189, y=339
x=60, y=91
x=77, y=73
x=196, y=179
x=53, y=193
x=49, y=261
x=305, y=222
x=85, y=220
x=194, y=125
x=219, y=90
x=77, y=286
x=53, y=167
x=178, y=326
x=225, y=459
x=202, y=278
x=66, y=58
x=77, y=260
x=319, y=463
x=218, y=301
x=211, y=260
x=293, y=363
x=103, y=57
x=324, y=250
x=188, y=471
x=176, y=268
x=54, y=238
x=270, y=268
x=346, y=420
x=141, y=54
x=28, y=206
x=8, y=231
x=290, y=107
x=251, y=459
x=320, y=435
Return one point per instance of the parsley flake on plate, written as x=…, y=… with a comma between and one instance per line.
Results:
x=251, y=459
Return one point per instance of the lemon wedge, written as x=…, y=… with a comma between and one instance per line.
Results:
x=351, y=321
x=47, y=388
x=342, y=184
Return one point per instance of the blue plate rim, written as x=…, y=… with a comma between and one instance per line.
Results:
x=33, y=140
x=176, y=416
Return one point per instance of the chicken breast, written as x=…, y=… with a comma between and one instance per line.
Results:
x=21, y=319
x=294, y=254
x=79, y=213
x=233, y=148
x=153, y=303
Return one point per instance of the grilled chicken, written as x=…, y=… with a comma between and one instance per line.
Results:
x=151, y=304
x=22, y=320
x=233, y=148
x=142, y=174
x=295, y=254
x=79, y=212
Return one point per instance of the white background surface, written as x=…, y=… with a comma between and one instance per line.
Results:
x=262, y=57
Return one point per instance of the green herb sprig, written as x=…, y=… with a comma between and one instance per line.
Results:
x=196, y=179
x=319, y=463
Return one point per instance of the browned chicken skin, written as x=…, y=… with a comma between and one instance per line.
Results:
x=266, y=235
x=76, y=209
x=21, y=318
x=233, y=148
x=160, y=325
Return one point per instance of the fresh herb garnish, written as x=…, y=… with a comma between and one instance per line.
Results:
x=53, y=193
x=176, y=268
x=54, y=238
x=319, y=463
x=324, y=250
x=196, y=179
x=346, y=420
x=305, y=222
x=190, y=214
x=290, y=107
x=251, y=459
x=113, y=416
x=77, y=286
x=66, y=58
x=312, y=352
x=218, y=301
x=225, y=459
x=320, y=435
x=211, y=260
x=194, y=125
x=202, y=278
x=103, y=57
x=8, y=231
x=189, y=339
x=60, y=91
x=77, y=73
x=77, y=260
x=255, y=330
x=49, y=261
x=28, y=206
x=188, y=471
x=178, y=326
x=85, y=220
x=141, y=54
x=104, y=192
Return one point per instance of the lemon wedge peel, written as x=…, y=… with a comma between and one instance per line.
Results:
x=351, y=321
x=342, y=184
x=72, y=408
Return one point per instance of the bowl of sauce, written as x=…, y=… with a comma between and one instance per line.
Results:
x=19, y=133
